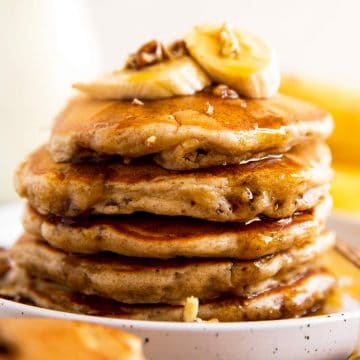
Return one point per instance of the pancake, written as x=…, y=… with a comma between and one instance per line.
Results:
x=297, y=294
x=273, y=187
x=43, y=339
x=154, y=236
x=180, y=133
x=133, y=280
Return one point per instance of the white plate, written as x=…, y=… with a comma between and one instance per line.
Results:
x=328, y=337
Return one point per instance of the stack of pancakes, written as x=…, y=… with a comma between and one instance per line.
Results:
x=135, y=207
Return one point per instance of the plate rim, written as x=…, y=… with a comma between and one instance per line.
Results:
x=181, y=326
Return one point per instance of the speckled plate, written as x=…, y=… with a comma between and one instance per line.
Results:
x=333, y=336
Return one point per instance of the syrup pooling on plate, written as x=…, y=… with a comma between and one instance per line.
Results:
x=348, y=287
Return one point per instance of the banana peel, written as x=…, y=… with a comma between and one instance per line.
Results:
x=344, y=105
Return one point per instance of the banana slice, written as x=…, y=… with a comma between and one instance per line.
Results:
x=236, y=58
x=182, y=76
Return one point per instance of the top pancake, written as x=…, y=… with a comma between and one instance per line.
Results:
x=180, y=134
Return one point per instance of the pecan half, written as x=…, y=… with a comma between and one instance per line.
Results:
x=149, y=54
x=225, y=92
x=177, y=49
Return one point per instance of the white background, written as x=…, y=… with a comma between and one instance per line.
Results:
x=45, y=45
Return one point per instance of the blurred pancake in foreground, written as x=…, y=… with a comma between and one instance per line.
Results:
x=43, y=339
x=133, y=280
x=187, y=132
x=273, y=187
x=147, y=235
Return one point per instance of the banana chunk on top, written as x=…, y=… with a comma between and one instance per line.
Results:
x=236, y=58
x=182, y=76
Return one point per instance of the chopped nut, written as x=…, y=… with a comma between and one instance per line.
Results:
x=230, y=44
x=225, y=92
x=213, y=320
x=150, y=141
x=209, y=109
x=148, y=54
x=126, y=160
x=243, y=103
x=191, y=309
x=177, y=49
x=137, y=102
x=249, y=194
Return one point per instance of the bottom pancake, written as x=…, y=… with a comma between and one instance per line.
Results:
x=134, y=280
x=298, y=294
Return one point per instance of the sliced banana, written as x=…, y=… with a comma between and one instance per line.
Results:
x=182, y=76
x=236, y=58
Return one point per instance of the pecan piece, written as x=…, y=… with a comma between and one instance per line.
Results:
x=149, y=54
x=177, y=49
x=225, y=92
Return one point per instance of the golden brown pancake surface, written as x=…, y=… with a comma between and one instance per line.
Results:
x=155, y=236
x=179, y=132
x=133, y=280
x=273, y=187
x=297, y=293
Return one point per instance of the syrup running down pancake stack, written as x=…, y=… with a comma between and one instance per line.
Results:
x=202, y=205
